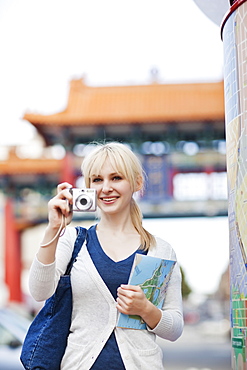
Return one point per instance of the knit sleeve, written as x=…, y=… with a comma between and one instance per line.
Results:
x=43, y=279
x=171, y=324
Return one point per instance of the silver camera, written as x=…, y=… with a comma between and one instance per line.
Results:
x=84, y=200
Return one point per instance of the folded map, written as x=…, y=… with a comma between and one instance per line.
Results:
x=152, y=274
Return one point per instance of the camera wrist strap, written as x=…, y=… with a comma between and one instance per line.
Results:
x=63, y=225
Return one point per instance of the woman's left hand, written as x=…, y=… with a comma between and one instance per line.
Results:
x=131, y=300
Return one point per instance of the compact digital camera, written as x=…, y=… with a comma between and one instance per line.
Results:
x=84, y=200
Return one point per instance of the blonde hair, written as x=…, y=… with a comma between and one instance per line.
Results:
x=127, y=163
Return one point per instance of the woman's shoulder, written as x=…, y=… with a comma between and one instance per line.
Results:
x=163, y=249
x=71, y=232
x=68, y=237
x=65, y=246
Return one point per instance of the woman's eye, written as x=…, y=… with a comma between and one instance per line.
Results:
x=96, y=179
x=117, y=178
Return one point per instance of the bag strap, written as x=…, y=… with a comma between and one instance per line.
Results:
x=81, y=236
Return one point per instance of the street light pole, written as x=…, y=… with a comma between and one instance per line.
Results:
x=234, y=36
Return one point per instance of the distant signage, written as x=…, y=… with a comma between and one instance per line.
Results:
x=189, y=186
x=200, y=186
x=158, y=175
x=237, y=342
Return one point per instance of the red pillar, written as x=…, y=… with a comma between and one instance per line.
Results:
x=12, y=254
x=67, y=173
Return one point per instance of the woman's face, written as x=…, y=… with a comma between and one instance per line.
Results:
x=114, y=192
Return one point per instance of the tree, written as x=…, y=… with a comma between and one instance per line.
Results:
x=186, y=290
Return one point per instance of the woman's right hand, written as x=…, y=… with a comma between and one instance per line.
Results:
x=60, y=205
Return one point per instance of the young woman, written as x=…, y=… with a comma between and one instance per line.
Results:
x=100, y=274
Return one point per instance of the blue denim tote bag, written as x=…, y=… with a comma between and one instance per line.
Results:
x=46, y=339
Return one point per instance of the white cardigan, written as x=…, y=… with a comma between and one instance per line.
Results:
x=95, y=315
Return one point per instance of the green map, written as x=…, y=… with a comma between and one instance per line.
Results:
x=152, y=274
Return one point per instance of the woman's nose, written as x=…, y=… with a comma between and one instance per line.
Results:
x=106, y=187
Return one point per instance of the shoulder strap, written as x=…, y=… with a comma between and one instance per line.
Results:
x=81, y=236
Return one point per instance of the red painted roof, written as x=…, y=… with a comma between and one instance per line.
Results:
x=89, y=105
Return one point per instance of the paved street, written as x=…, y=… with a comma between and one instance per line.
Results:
x=197, y=351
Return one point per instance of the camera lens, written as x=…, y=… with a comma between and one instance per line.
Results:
x=83, y=202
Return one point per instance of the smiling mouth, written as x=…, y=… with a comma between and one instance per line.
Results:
x=109, y=199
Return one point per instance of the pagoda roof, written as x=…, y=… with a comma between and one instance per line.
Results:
x=17, y=166
x=113, y=105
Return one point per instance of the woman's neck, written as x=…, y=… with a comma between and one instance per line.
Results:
x=118, y=239
x=113, y=222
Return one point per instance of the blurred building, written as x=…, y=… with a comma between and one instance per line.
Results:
x=177, y=130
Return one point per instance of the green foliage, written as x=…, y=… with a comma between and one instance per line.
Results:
x=186, y=290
